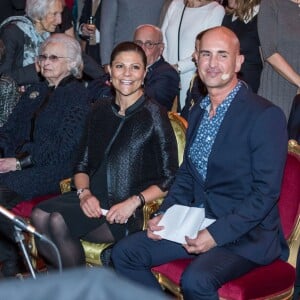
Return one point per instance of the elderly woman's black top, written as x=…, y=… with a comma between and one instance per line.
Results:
x=57, y=131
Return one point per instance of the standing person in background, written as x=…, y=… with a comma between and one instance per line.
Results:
x=279, y=31
x=119, y=19
x=164, y=11
x=241, y=18
x=183, y=21
x=89, y=28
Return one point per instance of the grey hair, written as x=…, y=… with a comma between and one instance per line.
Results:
x=38, y=9
x=73, y=51
x=157, y=29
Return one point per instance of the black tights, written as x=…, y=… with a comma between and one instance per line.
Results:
x=71, y=251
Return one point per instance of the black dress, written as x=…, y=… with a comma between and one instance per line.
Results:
x=249, y=40
x=123, y=155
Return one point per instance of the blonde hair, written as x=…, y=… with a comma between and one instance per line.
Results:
x=244, y=8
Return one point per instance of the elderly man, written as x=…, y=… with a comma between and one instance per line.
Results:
x=228, y=170
x=162, y=80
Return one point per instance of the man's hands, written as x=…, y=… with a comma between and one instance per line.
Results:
x=202, y=243
x=152, y=226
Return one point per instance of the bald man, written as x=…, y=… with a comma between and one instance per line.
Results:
x=162, y=80
x=228, y=170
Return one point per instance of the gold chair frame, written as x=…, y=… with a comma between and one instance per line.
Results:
x=293, y=243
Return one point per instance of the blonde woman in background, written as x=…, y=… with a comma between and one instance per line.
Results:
x=241, y=18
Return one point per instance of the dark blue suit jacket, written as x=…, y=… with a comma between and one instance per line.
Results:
x=162, y=83
x=243, y=180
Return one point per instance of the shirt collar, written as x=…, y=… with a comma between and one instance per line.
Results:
x=206, y=103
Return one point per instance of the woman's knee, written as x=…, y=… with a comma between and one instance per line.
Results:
x=57, y=224
x=38, y=216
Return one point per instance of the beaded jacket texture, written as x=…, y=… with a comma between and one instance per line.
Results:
x=139, y=150
x=57, y=133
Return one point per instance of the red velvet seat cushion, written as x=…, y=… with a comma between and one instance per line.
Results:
x=269, y=280
x=23, y=209
x=289, y=208
x=266, y=281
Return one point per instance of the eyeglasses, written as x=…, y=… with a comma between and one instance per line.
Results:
x=53, y=58
x=147, y=44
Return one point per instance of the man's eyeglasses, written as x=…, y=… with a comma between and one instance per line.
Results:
x=52, y=57
x=147, y=44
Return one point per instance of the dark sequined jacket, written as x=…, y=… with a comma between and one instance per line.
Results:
x=139, y=148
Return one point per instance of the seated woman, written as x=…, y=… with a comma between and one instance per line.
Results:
x=128, y=157
x=41, y=134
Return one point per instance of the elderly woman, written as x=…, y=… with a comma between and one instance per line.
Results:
x=41, y=134
x=128, y=157
x=23, y=35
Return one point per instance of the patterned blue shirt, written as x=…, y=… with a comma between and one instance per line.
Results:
x=207, y=131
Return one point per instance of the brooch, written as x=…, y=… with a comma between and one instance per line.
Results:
x=34, y=94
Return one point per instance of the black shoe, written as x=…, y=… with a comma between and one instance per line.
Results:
x=10, y=268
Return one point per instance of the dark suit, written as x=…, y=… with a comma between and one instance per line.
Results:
x=92, y=50
x=294, y=120
x=162, y=83
x=241, y=190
